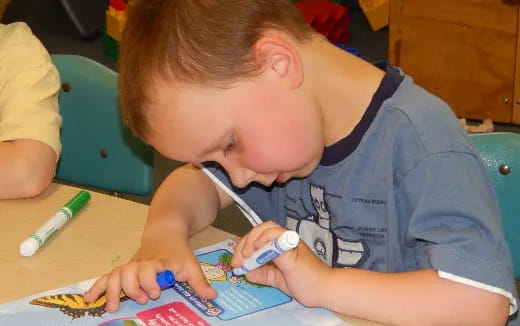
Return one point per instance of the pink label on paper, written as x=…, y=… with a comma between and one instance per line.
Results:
x=172, y=314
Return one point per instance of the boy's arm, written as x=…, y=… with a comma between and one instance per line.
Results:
x=454, y=227
x=422, y=297
x=408, y=298
x=26, y=168
x=185, y=203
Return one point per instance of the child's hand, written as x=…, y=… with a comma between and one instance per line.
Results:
x=137, y=278
x=298, y=272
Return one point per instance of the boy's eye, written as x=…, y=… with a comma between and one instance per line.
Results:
x=230, y=146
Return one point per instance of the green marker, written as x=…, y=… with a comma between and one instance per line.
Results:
x=65, y=214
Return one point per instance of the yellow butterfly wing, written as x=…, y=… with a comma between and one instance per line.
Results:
x=73, y=304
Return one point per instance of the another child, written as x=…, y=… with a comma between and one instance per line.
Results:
x=399, y=220
x=29, y=118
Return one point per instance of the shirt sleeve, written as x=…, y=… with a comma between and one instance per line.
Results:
x=454, y=224
x=29, y=85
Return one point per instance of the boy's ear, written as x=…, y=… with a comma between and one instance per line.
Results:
x=278, y=53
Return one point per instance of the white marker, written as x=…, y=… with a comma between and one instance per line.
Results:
x=65, y=214
x=285, y=242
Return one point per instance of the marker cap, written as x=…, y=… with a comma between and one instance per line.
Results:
x=239, y=271
x=76, y=203
x=289, y=240
x=165, y=279
x=29, y=247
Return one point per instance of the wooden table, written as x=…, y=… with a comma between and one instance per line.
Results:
x=103, y=235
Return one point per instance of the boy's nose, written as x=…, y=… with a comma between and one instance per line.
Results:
x=241, y=177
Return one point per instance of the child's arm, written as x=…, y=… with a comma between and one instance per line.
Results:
x=185, y=203
x=412, y=298
x=29, y=118
x=26, y=168
x=408, y=298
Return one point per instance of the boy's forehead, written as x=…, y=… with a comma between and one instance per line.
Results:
x=183, y=107
x=198, y=104
x=165, y=90
x=164, y=97
x=186, y=98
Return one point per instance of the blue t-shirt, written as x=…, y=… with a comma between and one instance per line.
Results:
x=404, y=191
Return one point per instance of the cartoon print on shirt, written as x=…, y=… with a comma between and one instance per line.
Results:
x=316, y=231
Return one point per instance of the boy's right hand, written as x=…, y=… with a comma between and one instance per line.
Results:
x=137, y=278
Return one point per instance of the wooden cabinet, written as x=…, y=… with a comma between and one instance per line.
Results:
x=465, y=51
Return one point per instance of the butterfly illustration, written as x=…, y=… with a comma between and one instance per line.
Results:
x=74, y=305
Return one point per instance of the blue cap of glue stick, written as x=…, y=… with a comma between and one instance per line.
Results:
x=165, y=279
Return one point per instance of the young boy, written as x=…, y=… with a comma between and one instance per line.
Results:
x=397, y=215
x=29, y=118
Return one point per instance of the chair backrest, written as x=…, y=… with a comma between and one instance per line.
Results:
x=98, y=150
x=501, y=154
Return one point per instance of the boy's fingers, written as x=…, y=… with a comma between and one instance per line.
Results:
x=237, y=258
x=97, y=289
x=113, y=290
x=261, y=237
x=200, y=285
x=129, y=282
x=267, y=235
x=148, y=279
x=270, y=275
x=249, y=246
x=260, y=275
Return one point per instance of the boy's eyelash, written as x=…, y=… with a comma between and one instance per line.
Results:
x=229, y=147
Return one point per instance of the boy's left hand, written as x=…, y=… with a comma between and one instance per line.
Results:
x=298, y=272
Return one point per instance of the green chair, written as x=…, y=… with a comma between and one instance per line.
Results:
x=98, y=151
x=501, y=154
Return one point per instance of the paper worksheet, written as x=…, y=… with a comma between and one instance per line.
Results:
x=239, y=302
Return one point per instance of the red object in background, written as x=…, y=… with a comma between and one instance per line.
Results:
x=327, y=18
x=118, y=4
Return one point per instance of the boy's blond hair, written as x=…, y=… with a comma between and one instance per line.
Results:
x=195, y=41
x=3, y=5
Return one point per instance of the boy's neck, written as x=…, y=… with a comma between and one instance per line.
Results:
x=341, y=84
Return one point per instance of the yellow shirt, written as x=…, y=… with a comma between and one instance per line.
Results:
x=29, y=87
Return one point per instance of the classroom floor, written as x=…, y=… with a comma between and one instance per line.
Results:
x=50, y=23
